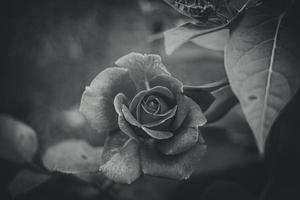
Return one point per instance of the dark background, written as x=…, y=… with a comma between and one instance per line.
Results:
x=50, y=50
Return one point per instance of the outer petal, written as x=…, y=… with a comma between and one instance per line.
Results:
x=142, y=68
x=181, y=111
x=176, y=167
x=122, y=161
x=119, y=101
x=188, y=134
x=97, y=99
x=195, y=117
x=180, y=142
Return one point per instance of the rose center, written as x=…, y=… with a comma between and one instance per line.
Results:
x=152, y=104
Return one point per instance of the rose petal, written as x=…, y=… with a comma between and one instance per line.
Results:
x=181, y=112
x=119, y=100
x=123, y=164
x=188, y=134
x=156, y=124
x=125, y=127
x=162, y=91
x=160, y=135
x=176, y=167
x=136, y=100
x=146, y=117
x=129, y=117
x=195, y=115
x=97, y=99
x=142, y=68
x=169, y=82
x=181, y=142
x=113, y=142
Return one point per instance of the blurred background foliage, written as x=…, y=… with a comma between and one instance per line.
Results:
x=50, y=50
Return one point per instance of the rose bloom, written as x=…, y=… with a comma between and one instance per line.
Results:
x=153, y=125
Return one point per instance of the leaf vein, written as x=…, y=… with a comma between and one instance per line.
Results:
x=270, y=71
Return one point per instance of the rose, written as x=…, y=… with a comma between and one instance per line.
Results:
x=153, y=125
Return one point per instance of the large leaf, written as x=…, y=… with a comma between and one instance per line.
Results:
x=25, y=181
x=73, y=156
x=18, y=142
x=262, y=62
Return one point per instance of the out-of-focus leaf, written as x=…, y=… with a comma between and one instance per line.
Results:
x=177, y=36
x=262, y=62
x=224, y=101
x=201, y=96
x=121, y=159
x=205, y=95
x=214, y=41
x=97, y=177
x=25, y=181
x=73, y=156
x=147, y=188
x=18, y=141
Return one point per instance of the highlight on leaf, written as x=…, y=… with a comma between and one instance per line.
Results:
x=262, y=64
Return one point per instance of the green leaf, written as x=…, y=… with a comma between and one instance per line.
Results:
x=97, y=99
x=207, y=35
x=214, y=41
x=262, y=62
x=72, y=156
x=201, y=96
x=213, y=38
x=18, y=142
x=224, y=101
x=25, y=181
x=121, y=159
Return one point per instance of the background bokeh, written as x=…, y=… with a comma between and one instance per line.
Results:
x=50, y=50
